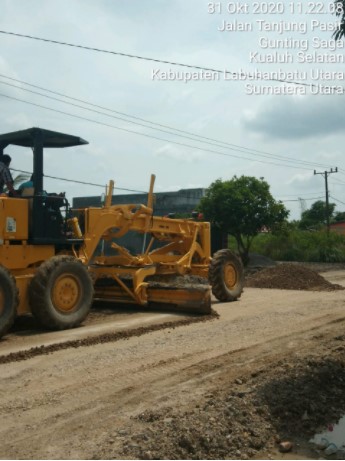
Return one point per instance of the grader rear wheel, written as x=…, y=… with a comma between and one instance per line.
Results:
x=226, y=275
x=8, y=300
x=61, y=293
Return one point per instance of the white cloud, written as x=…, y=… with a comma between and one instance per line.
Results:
x=308, y=129
x=301, y=180
x=177, y=153
x=298, y=117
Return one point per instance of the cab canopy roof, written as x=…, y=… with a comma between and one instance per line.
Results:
x=33, y=137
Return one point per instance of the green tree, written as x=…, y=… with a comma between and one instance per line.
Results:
x=242, y=207
x=339, y=216
x=315, y=217
x=340, y=12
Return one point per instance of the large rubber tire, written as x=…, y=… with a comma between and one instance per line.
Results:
x=226, y=275
x=61, y=293
x=8, y=300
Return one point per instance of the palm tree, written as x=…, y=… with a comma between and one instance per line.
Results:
x=340, y=11
x=20, y=178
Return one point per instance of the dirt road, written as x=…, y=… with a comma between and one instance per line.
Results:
x=228, y=387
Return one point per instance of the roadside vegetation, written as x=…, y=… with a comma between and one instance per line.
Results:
x=244, y=210
x=241, y=207
x=306, y=239
x=300, y=245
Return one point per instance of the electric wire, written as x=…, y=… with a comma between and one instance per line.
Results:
x=80, y=182
x=215, y=142
x=136, y=190
x=338, y=181
x=154, y=137
x=300, y=195
x=141, y=124
x=341, y=172
x=307, y=199
x=142, y=134
x=337, y=200
x=161, y=61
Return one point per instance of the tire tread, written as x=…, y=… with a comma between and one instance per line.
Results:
x=216, y=277
x=38, y=295
x=8, y=316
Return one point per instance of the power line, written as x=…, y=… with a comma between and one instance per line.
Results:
x=158, y=129
x=80, y=182
x=304, y=193
x=129, y=190
x=102, y=185
x=307, y=199
x=214, y=142
x=161, y=61
x=337, y=200
x=154, y=137
x=340, y=183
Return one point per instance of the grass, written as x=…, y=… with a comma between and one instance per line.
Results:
x=298, y=245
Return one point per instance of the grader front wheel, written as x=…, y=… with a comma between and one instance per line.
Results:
x=226, y=275
x=8, y=300
x=61, y=293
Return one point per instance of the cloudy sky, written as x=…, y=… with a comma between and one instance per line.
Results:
x=282, y=138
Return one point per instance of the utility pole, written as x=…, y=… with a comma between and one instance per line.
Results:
x=325, y=174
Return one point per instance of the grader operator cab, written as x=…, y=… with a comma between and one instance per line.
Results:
x=51, y=266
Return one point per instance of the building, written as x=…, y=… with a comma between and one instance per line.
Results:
x=338, y=227
x=183, y=201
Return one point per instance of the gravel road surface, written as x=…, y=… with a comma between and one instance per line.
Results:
x=269, y=368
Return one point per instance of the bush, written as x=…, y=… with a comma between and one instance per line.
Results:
x=298, y=245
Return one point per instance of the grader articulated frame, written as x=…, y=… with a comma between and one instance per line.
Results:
x=184, y=250
x=51, y=265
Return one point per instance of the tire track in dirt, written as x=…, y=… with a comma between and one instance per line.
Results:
x=102, y=390
x=100, y=339
x=173, y=380
x=127, y=383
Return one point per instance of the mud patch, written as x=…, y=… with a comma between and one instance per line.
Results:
x=290, y=277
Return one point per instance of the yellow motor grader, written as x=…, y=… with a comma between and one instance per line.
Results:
x=53, y=263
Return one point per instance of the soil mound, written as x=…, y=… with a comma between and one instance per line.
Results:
x=257, y=262
x=248, y=417
x=290, y=277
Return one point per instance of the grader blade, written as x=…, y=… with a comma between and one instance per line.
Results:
x=194, y=300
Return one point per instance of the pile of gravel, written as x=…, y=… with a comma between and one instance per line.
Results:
x=290, y=277
x=245, y=418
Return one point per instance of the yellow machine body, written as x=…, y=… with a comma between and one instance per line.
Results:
x=14, y=222
x=15, y=253
x=54, y=261
x=186, y=251
x=172, y=273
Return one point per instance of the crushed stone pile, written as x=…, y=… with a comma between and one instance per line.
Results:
x=244, y=419
x=290, y=277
